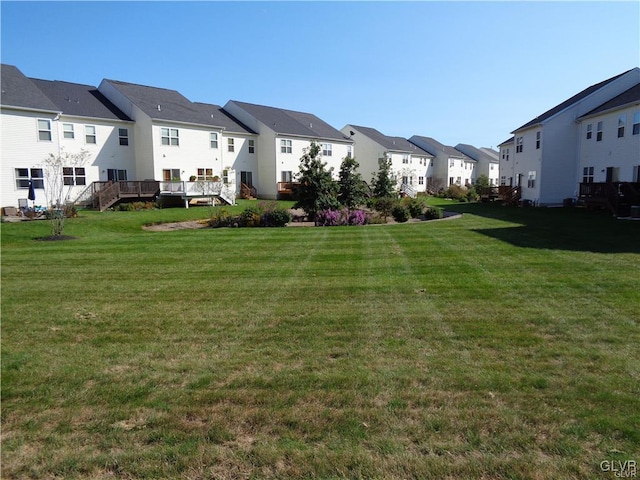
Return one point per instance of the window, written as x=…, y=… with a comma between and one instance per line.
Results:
x=225, y=177
x=636, y=123
x=452, y=163
x=636, y=173
x=89, y=134
x=24, y=175
x=349, y=151
x=587, y=175
x=285, y=146
x=431, y=164
x=538, y=138
x=622, y=121
x=405, y=159
x=123, y=136
x=459, y=181
x=505, y=154
x=213, y=140
x=231, y=144
x=503, y=180
x=44, y=130
x=205, y=174
x=589, y=131
x=420, y=180
x=405, y=180
x=170, y=136
x=451, y=182
x=67, y=129
x=115, y=175
x=326, y=149
x=74, y=176
x=519, y=144
x=531, y=179
x=286, y=176
x=599, y=132
x=252, y=146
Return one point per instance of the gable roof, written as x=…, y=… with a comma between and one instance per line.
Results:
x=475, y=153
x=569, y=102
x=508, y=141
x=80, y=100
x=220, y=118
x=19, y=91
x=434, y=147
x=395, y=144
x=162, y=103
x=290, y=122
x=629, y=97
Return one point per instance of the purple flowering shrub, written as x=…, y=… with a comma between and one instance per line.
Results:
x=334, y=218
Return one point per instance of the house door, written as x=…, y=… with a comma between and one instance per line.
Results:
x=519, y=180
x=613, y=174
x=170, y=174
x=115, y=175
x=247, y=178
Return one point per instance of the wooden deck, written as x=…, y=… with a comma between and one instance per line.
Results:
x=106, y=194
x=615, y=197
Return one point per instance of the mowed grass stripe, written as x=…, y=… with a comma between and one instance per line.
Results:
x=470, y=348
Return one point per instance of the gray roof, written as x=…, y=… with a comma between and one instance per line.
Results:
x=164, y=104
x=289, y=122
x=79, y=100
x=434, y=147
x=220, y=118
x=477, y=154
x=510, y=140
x=569, y=102
x=394, y=144
x=629, y=97
x=19, y=91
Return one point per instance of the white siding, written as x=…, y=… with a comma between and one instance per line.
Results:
x=21, y=148
x=612, y=151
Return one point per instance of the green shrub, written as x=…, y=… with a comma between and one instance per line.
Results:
x=275, y=218
x=414, y=205
x=400, y=213
x=221, y=218
x=433, y=213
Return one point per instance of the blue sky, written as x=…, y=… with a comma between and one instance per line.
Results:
x=461, y=72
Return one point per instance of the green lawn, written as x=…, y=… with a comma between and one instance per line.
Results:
x=501, y=345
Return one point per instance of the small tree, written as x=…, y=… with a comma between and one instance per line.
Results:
x=482, y=182
x=352, y=189
x=317, y=190
x=383, y=184
x=58, y=191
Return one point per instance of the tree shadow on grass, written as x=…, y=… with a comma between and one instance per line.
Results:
x=572, y=229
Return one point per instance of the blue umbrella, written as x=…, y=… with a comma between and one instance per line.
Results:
x=32, y=191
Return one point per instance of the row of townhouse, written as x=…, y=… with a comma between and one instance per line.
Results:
x=136, y=132
x=591, y=138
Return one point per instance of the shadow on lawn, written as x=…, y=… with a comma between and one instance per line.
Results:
x=558, y=228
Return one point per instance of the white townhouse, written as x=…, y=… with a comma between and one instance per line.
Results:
x=609, y=140
x=178, y=140
x=40, y=118
x=546, y=149
x=506, y=162
x=411, y=166
x=452, y=167
x=283, y=135
x=487, y=162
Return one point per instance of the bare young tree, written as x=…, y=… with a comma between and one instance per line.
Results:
x=58, y=186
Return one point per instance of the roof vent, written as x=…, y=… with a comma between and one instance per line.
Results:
x=310, y=125
x=159, y=109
